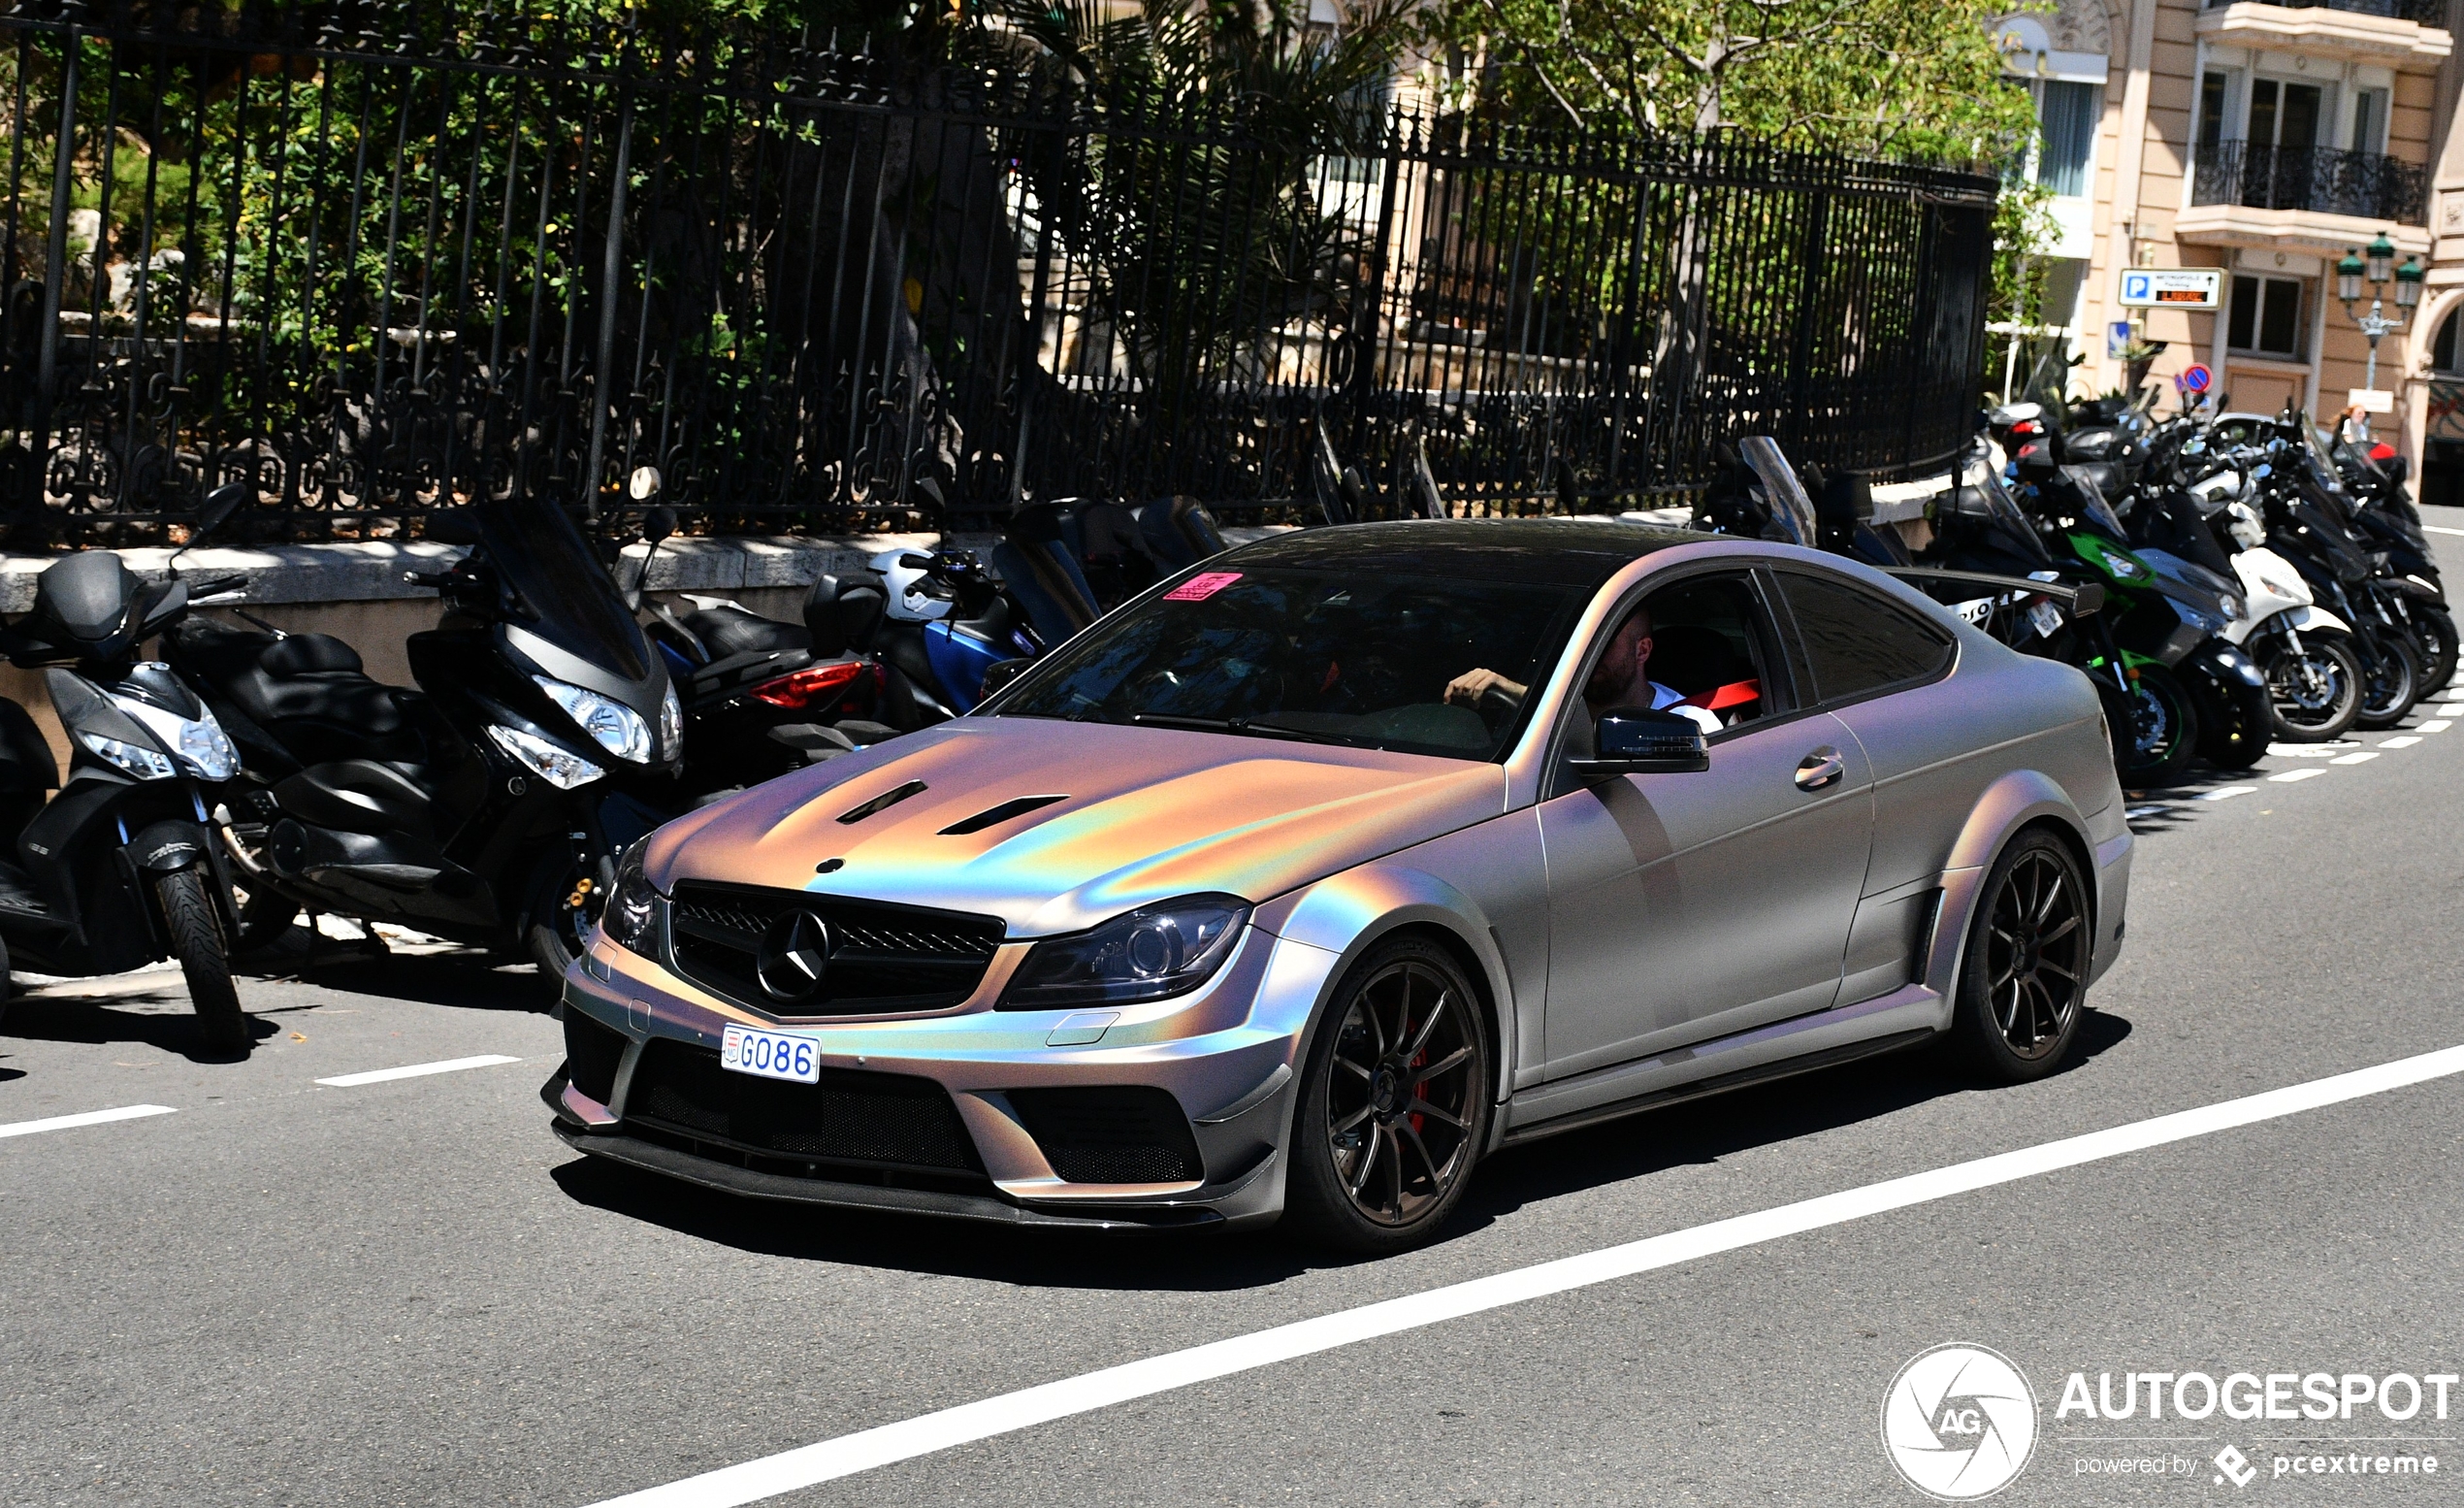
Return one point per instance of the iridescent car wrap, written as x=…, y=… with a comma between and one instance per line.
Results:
x=1333, y=848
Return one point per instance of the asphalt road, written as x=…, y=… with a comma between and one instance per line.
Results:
x=408, y=1292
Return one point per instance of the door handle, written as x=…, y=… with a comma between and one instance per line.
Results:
x=1821, y=768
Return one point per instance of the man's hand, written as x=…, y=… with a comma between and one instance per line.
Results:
x=1467, y=688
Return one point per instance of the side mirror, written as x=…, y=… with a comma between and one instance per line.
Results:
x=452, y=526
x=659, y=524
x=219, y=505
x=1633, y=740
x=999, y=673
x=2088, y=602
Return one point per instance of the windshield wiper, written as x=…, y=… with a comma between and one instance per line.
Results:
x=1238, y=725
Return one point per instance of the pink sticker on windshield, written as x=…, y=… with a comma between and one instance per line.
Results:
x=1203, y=585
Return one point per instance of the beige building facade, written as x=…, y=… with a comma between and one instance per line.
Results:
x=2264, y=141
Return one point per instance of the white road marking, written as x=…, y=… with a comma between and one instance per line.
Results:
x=2398, y=743
x=2225, y=793
x=86, y=1118
x=416, y=1070
x=2146, y=811
x=2362, y=758
x=2434, y=725
x=847, y=1455
x=2435, y=529
x=2310, y=750
x=2303, y=774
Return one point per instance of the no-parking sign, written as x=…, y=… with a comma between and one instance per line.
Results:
x=2194, y=378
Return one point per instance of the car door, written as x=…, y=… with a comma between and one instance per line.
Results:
x=1881, y=668
x=1686, y=906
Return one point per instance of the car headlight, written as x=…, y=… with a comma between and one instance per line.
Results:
x=615, y=726
x=199, y=742
x=635, y=910
x=1147, y=955
x=557, y=765
x=143, y=763
x=671, y=723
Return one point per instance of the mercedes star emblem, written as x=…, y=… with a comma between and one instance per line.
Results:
x=793, y=956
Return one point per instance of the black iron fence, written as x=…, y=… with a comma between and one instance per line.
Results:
x=2369, y=186
x=377, y=258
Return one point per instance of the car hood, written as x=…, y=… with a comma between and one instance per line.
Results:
x=1147, y=814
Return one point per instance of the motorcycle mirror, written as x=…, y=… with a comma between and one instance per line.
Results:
x=452, y=526
x=216, y=511
x=2088, y=600
x=1000, y=672
x=659, y=524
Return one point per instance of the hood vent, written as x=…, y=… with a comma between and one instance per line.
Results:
x=884, y=801
x=994, y=816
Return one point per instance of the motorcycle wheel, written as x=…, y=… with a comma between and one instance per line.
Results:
x=553, y=926
x=2435, y=632
x=2390, y=694
x=205, y=961
x=2237, y=720
x=2163, y=735
x=2316, y=690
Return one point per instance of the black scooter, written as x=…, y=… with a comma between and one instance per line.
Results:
x=121, y=868
x=488, y=805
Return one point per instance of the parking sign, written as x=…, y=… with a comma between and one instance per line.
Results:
x=2172, y=288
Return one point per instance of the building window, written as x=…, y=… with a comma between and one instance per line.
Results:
x=2369, y=120
x=2215, y=94
x=2267, y=317
x=2068, y=113
x=2442, y=351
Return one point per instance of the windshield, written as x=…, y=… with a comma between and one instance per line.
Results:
x=540, y=552
x=1791, y=508
x=2016, y=531
x=1416, y=664
x=2092, y=505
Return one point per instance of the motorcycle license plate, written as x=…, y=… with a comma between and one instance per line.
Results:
x=2046, y=617
x=769, y=1054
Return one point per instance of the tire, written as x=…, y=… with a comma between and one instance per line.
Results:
x=265, y=917
x=2388, y=696
x=196, y=937
x=2317, y=690
x=1379, y=1156
x=2162, y=737
x=2435, y=631
x=8, y=982
x=553, y=928
x=2237, y=720
x=2024, y=974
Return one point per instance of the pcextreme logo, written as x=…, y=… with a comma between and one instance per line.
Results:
x=1959, y=1422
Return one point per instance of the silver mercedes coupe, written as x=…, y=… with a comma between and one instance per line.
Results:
x=1294, y=886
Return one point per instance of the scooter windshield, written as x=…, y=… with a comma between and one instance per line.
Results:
x=540, y=552
x=1791, y=510
x=2012, y=527
x=2092, y=505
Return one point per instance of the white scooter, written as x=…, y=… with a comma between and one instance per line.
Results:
x=2303, y=649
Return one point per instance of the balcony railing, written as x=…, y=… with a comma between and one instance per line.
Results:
x=2367, y=185
x=2426, y=13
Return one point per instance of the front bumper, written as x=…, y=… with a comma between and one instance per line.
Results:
x=1226, y=1056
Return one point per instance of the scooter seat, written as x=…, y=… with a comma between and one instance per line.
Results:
x=356, y=796
x=735, y=631
x=309, y=692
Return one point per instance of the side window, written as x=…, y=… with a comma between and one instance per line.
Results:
x=1698, y=648
x=1858, y=643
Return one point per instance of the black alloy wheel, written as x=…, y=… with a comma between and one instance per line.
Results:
x=2024, y=984
x=2391, y=687
x=1395, y=1103
x=2317, y=688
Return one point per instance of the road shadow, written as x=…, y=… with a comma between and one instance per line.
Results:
x=469, y=980
x=1698, y=1131
x=173, y=1028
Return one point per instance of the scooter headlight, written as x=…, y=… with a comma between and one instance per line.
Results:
x=200, y=743
x=143, y=763
x=615, y=726
x=553, y=763
x=2231, y=606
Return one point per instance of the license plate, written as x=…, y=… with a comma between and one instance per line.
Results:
x=769, y=1054
x=2045, y=616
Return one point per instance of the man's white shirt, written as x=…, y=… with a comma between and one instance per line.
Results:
x=1664, y=700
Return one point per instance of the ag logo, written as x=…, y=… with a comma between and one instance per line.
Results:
x=1960, y=1423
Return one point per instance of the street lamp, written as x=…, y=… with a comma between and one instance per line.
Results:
x=2377, y=268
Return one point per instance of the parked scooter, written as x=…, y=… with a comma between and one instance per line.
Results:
x=488, y=805
x=120, y=868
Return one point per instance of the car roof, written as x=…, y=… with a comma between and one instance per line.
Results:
x=1577, y=552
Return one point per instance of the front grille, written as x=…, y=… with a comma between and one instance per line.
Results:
x=1116, y=1134
x=591, y=1052
x=882, y=958
x=879, y=1119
